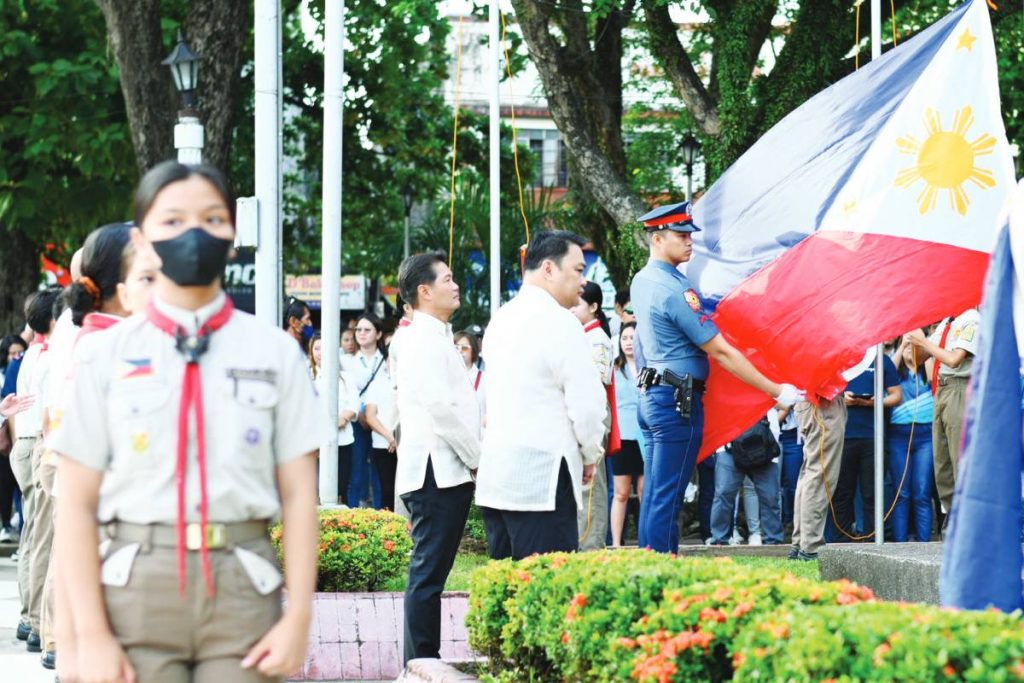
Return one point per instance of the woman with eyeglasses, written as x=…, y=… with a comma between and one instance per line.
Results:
x=370, y=366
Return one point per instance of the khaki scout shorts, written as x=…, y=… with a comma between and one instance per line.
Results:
x=195, y=637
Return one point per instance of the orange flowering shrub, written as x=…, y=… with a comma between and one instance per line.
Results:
x=692, y=634
x=626, y=615
x=360, y=549
x=881, y=642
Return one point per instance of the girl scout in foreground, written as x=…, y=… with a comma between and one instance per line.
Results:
x=190, y=428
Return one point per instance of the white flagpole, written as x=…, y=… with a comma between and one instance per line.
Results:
x=267, y=17
x=876, y=52
x=495, y=140
x=330, y=321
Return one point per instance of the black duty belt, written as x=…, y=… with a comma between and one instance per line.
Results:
x=649, y=377
x=685, y=386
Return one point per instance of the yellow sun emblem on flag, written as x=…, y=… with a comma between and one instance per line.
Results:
x=945, y=161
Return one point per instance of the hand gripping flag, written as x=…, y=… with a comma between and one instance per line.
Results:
x=868, y=211
x=982, y=562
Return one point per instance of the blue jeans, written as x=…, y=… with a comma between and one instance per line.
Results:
x=728, y=480
x=792, y=459
x=917, y=486
x=670, y=451
x=363, y=476
x=705, y=494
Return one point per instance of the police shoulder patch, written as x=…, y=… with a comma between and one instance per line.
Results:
x=693, y=301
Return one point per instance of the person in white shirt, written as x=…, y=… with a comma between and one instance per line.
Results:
x=348, y=409
x=368, y=365
x=468, y=345
x=593, y=518
x=380, y=418
x=37, y=531
x=545, y=408
x=440, y=445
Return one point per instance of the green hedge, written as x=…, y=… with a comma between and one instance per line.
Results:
x=883, y=642
x=360, y=549
x=641, y=616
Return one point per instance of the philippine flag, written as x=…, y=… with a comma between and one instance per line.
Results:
x=870, y=210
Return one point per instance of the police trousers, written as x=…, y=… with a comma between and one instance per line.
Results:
x=670, y=451
x=195, y=637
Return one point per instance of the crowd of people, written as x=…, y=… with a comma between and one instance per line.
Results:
x=144, y=416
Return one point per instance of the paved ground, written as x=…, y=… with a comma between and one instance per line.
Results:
x=15, y=663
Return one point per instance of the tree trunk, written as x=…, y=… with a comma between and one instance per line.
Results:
x=133, y=28
x=560, y=67
x=19, y=276
x=216, y=30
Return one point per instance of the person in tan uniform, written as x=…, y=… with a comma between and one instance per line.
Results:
x=952, y=345
x=188, y=430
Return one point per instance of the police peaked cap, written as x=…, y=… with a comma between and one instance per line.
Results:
x=676, y=217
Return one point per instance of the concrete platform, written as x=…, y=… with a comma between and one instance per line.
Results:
x=894, y=571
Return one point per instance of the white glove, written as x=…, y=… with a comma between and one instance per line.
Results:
x=789, y=396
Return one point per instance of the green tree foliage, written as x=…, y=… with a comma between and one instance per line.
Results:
x=66, y=161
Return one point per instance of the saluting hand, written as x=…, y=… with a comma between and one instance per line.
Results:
x=282, y=650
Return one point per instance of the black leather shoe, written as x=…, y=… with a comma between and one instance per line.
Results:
x=23, y=631
x=34, y=644
x=49, y=660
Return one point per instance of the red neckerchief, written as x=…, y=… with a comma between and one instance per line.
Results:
x=404, y=322
x=942, y=345
x=191, y=397
x=592, y=325
x=41, y=340
x=476, y=384
x=94, y=322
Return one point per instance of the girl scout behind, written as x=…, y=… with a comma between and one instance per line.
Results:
x=190, y=427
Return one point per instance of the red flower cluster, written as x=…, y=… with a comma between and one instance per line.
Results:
x=663, y=648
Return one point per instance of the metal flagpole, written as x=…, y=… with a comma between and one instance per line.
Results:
x=495, y=132
x=876, y=52
x=268, y=159
x=330, y=320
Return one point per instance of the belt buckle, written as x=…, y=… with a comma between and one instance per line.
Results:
x=216, y=536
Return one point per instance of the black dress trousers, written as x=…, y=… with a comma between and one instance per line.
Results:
x=438, y=521
x=518, y=534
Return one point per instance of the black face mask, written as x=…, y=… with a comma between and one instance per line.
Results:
x=195, y=258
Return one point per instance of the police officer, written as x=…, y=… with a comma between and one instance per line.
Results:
x=189, y=428
x=674, y=338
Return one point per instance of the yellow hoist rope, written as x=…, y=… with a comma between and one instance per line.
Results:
x=455, y=146
x=515, y=135
x=455, y=136
x=856, y=31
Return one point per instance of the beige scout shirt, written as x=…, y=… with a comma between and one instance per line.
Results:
x=259, y=408
x=963, y=334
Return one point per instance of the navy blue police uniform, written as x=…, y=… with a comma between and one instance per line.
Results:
x=671, y=327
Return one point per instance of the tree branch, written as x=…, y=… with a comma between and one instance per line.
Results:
x=670, y=53
x=596, y=172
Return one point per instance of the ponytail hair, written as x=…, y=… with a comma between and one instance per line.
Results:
x=102, y=266
x=592, y=294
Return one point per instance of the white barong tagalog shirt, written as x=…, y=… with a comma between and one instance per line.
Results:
x=545, y=403
x=439, y=411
